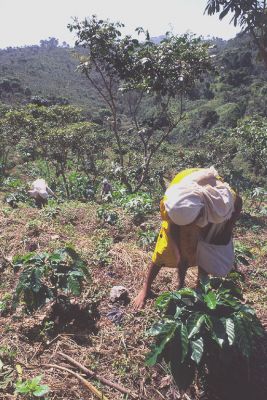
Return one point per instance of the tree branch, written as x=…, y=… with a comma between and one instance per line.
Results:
x=87, y=384
x=101, y=379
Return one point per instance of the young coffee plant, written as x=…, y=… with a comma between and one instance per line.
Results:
x=20, y=195
x=7, y=368
x=78, y=185
x=147, y=238
x=45, y=276
x=107, y=214
x=51, y=211
x=31, y=388
x=103, y=246
x=5, y=302
x=243, y=254
x=139, y=205
x=198, y=328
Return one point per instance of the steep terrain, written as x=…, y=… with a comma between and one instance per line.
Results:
x=116, y=239
x=114, y=349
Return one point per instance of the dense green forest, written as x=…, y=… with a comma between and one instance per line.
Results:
x=133, y=112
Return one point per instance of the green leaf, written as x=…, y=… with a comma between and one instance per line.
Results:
x=178, y=312
x=184, y=342
x=169, y=331
x=187, y=292
x=242, y=338
x=36, y=380
x=164, y=299
x=229, y=329
x=208, y=322
x=194, y=324
x=205, y=283
x=161, y=328
x=41, y=390
x=210, y=300
x=218, y=332
x=73, y=285
x=56, y=257
x=82, y=267
x=22, y=387
x=36, y=275
x=197, y=349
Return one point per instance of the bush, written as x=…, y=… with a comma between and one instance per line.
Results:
x=45, y=275
x=199, y=327
x=107, y=214
x=137, y=204
x=31, y=388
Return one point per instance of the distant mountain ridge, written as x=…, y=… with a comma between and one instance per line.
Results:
x=35, y=71
x=49, y=72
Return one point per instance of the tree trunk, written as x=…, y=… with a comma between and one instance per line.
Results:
x=65, y=183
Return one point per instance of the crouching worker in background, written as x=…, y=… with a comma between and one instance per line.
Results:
x=198, y=214
x=106, y=193
x=40, y=192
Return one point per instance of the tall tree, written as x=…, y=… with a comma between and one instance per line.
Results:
x=130, y=74
x=251, y=15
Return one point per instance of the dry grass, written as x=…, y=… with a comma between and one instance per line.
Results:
x=115, y=351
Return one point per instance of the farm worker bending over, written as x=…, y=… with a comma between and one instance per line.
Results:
x=106, y=193
x=40, y=192
x=198, y=214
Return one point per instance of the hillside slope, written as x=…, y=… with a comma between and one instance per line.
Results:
x=34, y=71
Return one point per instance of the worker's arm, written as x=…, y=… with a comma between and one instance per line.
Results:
x=140, y=299
x=238, y=208
x=49, y=191
x=225, y=235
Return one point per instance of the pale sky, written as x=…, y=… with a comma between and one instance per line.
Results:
x=26, y=22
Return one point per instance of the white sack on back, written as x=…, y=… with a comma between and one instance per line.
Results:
x=39, y=187
x=185, y=203
x=217, y=260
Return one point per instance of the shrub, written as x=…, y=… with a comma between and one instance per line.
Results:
x=197, y=327
x=31, y=388
x=243, y=254
x=45, y=275
x=147, y=237
x=103, y=246
x=107, y=214
x=137, y=204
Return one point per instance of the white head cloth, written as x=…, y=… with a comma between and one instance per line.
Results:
x=39, y=187
x=187, y=200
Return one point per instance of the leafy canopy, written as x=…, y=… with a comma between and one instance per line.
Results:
x=130, y=74
x=251, y=15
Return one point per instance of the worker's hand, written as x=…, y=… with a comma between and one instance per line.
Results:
x=140, y=300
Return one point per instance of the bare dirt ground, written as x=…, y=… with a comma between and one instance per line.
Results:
x=114, y=351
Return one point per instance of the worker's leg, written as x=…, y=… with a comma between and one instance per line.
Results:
x=182, y=268
x=38, y=201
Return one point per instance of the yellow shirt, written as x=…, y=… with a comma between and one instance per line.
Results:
x=166, y=252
